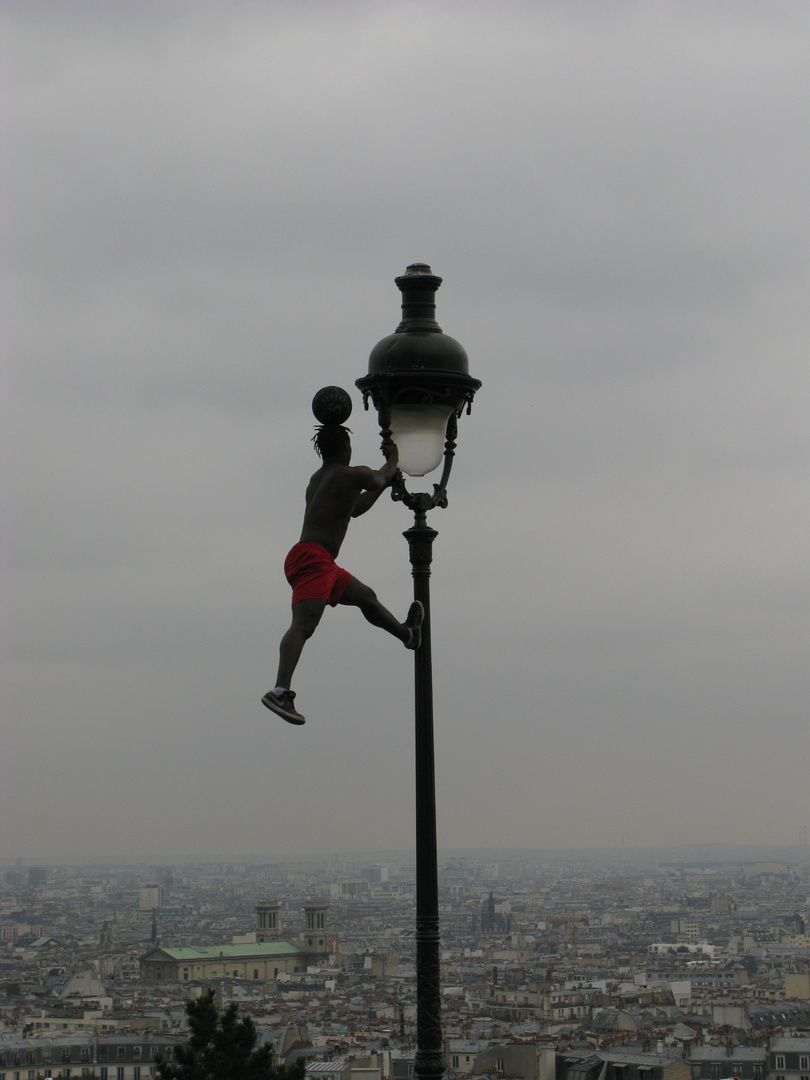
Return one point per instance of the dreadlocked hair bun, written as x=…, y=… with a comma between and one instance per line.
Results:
x=331, y=439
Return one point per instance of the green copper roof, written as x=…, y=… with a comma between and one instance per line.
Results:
x=225, y=952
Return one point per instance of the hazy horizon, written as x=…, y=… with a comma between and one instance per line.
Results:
x=675, y=854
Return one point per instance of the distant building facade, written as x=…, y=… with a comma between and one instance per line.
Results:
x=106, y=1057
x=790, y=1058
x=721, y=1062
x=263, y=961
x=599, y=1065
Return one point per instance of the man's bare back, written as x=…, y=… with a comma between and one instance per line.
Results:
x=336, y=493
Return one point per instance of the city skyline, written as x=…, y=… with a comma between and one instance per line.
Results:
x=206, y=208
x=710, y=856
x=678, y=972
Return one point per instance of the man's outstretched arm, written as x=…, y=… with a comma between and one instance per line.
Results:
x=377, y=481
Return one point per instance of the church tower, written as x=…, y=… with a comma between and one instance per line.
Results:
x=267, y=926
x=315, y=933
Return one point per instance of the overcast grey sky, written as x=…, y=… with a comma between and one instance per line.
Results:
x=205, y=205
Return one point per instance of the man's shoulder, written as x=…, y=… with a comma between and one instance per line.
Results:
x=339, y=476
x=350, y=474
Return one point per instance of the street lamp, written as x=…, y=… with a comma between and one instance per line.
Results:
x=419, y=383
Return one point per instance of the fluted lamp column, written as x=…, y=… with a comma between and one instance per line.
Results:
x=418, y=381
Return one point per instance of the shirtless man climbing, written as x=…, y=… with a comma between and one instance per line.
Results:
x=337, y=492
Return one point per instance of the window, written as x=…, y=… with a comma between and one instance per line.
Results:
x=695, y=1070
x=119, y=1073
x=103, y=1072
x=66, y=1055
x=455, y=1061
x=85, y=1053
x=804, y=1062
x=780, y=1061
x=715, y=1071
x=136, y=1073
x=136, y=1053
x=121, y=1053
x=757, y=1072
x=102, y=1053
x=255, y=973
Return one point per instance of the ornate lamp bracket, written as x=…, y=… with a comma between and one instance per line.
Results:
x=422, y=502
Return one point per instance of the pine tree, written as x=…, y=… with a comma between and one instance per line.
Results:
x=223, y=1047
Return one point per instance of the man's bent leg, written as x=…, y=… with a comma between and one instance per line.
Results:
x=306, y=615
x=356, y=594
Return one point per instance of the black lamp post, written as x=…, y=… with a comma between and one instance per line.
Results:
x=419, y=383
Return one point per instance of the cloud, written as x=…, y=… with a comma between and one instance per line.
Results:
x=208, y=204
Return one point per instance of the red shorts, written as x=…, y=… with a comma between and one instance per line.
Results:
x=314, y=574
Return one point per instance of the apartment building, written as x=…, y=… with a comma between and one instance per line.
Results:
x=790, y=1058
x=107, y=1057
